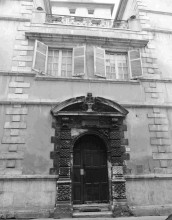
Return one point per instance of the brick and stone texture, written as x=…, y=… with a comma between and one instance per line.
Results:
x=21, y=61
x=13, y=140
x=160, y=139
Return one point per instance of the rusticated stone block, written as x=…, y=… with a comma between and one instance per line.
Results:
x=160, y=141
x=10, y=163
x=118, y=190
x=19, y=85
x=55, y=140
x=163, y=163
x=64, y=171
x=12, y=148
x=64, y=191
x=126, y=156
x=18, y=90
x=54, y=171
x=124, y=141
x=54, y=155
x=158, y=127
x=13, y=140
x=15, y=125
x=16, y=111
x=16, y=118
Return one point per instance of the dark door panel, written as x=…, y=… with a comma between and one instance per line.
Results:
x=90, y=176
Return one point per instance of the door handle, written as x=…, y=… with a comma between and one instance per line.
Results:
x=82, y=172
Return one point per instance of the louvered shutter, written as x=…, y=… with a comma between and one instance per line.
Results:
x=135, y=63
x=78, y=61
x=99, y=62
x=40, y=57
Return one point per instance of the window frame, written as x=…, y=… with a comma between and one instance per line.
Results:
x=60, y=57
x=116, y=64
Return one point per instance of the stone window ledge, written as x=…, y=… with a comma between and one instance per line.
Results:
x=49, y=78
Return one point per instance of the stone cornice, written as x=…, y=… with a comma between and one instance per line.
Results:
x=103, y=36
x=156, y=12
x=158, y=30
x=52, y=102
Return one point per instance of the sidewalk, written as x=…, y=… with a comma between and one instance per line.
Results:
x=120, y=218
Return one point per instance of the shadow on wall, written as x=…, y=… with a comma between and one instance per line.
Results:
x=34, y=164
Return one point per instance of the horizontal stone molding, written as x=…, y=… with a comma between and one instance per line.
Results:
x=29, y=177
x=19, y=85
x=156, y=12
x=162, y=156
x=14, y=18
x=51, y=102
x=16, y=125
x=148, y=176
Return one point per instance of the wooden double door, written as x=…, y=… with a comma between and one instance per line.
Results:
x=90, y=173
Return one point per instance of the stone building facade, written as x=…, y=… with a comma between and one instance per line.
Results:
x=86, y=108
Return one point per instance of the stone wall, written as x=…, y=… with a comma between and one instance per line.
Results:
x=27, y=196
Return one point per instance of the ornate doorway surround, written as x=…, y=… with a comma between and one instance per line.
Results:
x=78, y=118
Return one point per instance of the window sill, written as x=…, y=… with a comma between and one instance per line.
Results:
x=102, y=80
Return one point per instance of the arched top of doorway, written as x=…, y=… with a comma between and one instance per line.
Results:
x=95, y=134
x=89, y=105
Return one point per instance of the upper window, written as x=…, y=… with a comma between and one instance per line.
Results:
x=116, y=66
x=59, y=62
x=72, y=63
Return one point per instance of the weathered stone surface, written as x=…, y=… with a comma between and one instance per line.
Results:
x=16, y=118
x=158, y=127
x=160, y=141
x=18, y=96
x=16, y=125
x=10, y=163
x=162, y=156
x=19, y=85
x=16, y=111
x=13, y=140
x=12, y=147
x=155, y=115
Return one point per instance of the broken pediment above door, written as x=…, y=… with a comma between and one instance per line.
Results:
x=89, y=105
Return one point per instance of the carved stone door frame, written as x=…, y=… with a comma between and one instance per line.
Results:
x=79, y=116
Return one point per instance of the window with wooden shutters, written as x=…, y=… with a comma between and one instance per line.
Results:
x=99, y=62
x=40, y=57
x=79, y=61
x=135, y=63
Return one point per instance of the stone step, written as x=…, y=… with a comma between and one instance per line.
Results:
x=107, y=214
x=91, y=207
